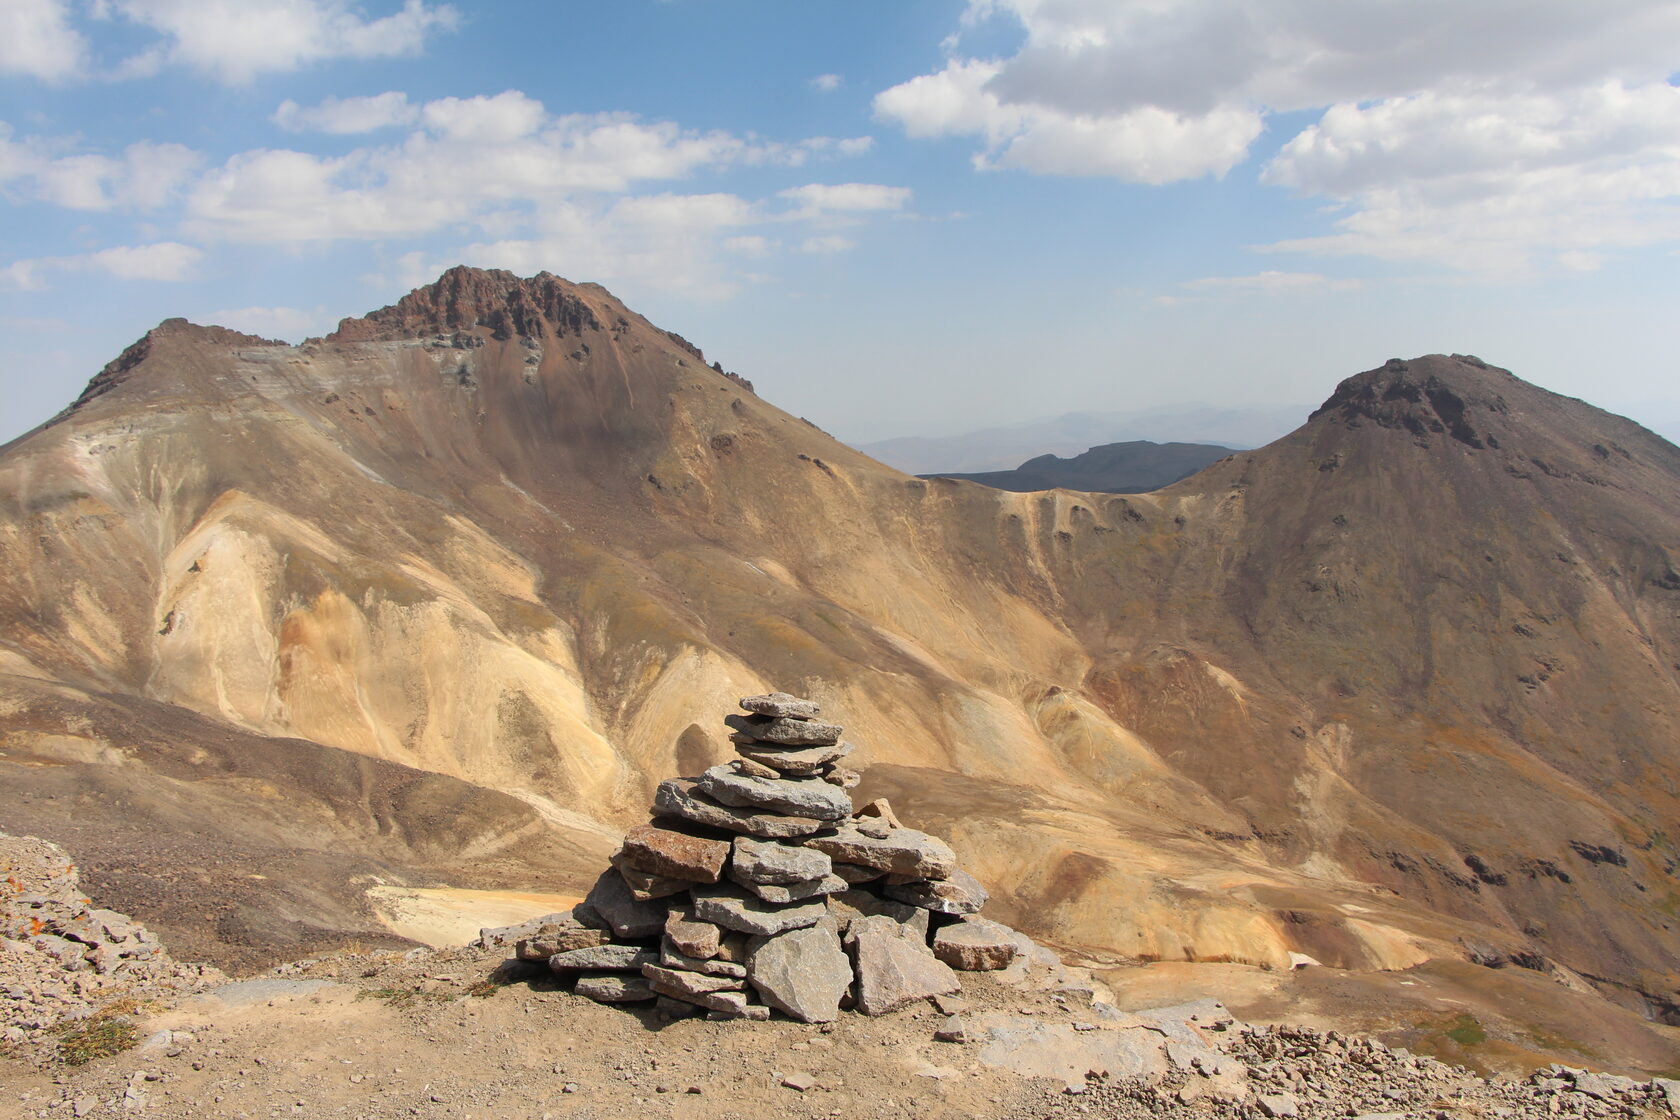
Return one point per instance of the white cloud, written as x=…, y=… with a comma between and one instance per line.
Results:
x=36, y=40
x=1489, y=135
x=236, y=40
x=1488, y=181
x=487, y=120
x=1270, y=281
x=827, y=83
x=161, y=261
x=821, y=200
x=749, y=245
x=828, y=243
x=273, y=322
x=145, y=177
x=348, y=115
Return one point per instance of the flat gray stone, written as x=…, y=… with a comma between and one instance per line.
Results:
x=615, y=989
x=627, y=916
x=671, y=957
x=681, y=797
x=902, y=851
x=893, y=972
x=787, y=732
x=735, y=1005
x=723, y=907
x=692, y=937
x=603, y=958
x=975, y=945
x=765, y=861
x=783, y=893
x=676, y=982
x=850, y=906
x=793, y=760
x=803, y=972
x=959, y=893
x=645, y=886
x=675, y=854
x=562, y=936
x=781, y=704
x=800, y=797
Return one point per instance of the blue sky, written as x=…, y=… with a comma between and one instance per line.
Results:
x=896, y=218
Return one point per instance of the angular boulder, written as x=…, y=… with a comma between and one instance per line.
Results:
x=893, y=972
x=958, y=893
x=800, y=797
x=764, y=861
x=803, y=973
x=692, y=937
x=603, y=958
x=628, y=917
x=851, y=906
x=783, y=705
x=730, y=910
x=794, y=760
x=975, y=945
x=681, y=797
x=678, y=855
x=902, y=851
x=788, y=732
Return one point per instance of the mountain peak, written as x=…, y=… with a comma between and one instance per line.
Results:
x=1438, y=393
x=466, y=298
x=117, y=370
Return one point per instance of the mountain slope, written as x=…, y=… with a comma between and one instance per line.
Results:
x=1401, y=685
x=1113, y=468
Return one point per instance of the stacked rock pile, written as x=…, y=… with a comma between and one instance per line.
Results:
x=758, y=887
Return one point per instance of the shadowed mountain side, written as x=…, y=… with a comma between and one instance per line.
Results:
x=1283, y=706
x=1114, y=468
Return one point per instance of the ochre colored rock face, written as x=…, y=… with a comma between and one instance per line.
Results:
x=439, y=594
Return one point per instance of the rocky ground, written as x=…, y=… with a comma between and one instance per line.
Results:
x=457, y=1033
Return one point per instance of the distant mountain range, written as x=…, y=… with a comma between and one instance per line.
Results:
x=1133, y=467
x=1000, y=449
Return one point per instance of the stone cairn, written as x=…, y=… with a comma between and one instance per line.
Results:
x=757, y=887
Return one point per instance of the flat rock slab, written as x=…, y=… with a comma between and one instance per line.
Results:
x=628, y=917
x=615, y=989
x=958, y=893
x=692, y=937
x=1032, y=1048
x=975, y=945
x=676, y=982
x=801, y=797
x=793, y=760
x=781, y=704
x=764, y=861
x=893, y=972
x=681, y=797
x=784, y=893
x=645, y=886
x=603, y=958
x=733, y=1004
x=803, y=973
x=722, y=907
x=671, y=957
x=558, y=937
x=902, y=851
x=787, y=732
x=850, y=906
x=665, y=851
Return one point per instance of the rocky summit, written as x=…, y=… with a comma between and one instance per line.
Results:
x=758, y=887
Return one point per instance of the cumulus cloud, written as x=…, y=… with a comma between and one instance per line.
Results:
x=160, y=261
x=827, y=83
x=1487, y=135
x=234, y=41
x=347, y=115
x=827, y=243
x=825, y=200
x=36, y=40
x=145, y=177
